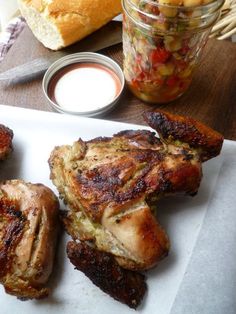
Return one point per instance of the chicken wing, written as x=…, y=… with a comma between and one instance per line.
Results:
x=185, y=132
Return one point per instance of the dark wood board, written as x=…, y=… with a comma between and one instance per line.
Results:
x=210, y=99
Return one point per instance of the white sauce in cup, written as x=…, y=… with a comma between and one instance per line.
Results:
x=83, y=87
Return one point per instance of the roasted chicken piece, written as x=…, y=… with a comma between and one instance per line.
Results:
x=185, y=132
x=109, y=184
x=6, y=136
x=105, y=183
x=28, y=234
x=101, y=268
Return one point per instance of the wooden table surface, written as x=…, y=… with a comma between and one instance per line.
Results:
x=210, y=99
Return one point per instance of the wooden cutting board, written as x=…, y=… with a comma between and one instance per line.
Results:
x=211, y=97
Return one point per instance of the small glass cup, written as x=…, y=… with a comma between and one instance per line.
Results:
x=162, y=43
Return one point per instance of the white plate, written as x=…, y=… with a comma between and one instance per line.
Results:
x=36, y=134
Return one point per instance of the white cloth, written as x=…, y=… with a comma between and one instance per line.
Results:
x=8, y=10
x=9, y=35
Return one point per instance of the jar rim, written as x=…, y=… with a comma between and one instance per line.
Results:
x=181, y=7
x=205, y=15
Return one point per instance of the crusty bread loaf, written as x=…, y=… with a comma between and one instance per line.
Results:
x=58, y=23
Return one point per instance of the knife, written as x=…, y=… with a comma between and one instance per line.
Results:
x=108, y=35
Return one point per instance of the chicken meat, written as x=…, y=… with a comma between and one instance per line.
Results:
x=6, y=136
x=110, y=185
x=110, y=182
x=28, y=234
x=123, y=285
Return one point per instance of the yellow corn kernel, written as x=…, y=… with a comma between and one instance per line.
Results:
x=171, y=2
x=166, y=69
x=168, y=11
x=192, y=3
x=172, y=43
x=160, y=26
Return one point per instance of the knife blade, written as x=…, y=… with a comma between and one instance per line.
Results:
x=107, y=36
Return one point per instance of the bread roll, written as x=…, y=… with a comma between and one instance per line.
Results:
x=58, y=23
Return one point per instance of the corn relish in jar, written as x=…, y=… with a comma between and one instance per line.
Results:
x=162, y=43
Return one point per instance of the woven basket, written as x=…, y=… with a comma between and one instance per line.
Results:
x=226, y=25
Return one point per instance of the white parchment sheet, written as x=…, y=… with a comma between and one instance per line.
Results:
x=198, y=276
x=209, y=283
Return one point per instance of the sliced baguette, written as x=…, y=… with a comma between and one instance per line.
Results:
x=59, y=23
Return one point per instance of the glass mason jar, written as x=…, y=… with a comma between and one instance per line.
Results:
x=162, y=43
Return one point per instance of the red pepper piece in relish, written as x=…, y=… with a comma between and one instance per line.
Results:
x=172, y=81
x=162, y=44
x=159, y=55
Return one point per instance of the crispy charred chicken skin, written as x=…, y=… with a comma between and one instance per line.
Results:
x=186, y=132
x=28, y=233
x=6, y=136
x=102, y=269
x=110, y=183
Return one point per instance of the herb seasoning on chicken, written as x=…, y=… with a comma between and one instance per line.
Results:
x=109, y=184
x=28, y=234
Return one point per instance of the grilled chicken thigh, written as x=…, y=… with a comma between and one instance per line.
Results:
x=110, y=184
x=105, y=183
x=28, y=234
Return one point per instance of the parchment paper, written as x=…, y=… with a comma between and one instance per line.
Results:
x=198, y=276
x=209, y=283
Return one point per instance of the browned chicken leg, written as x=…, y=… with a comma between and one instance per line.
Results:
x=28, y=234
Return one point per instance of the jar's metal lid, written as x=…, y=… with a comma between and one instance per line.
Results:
x=83, y=58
